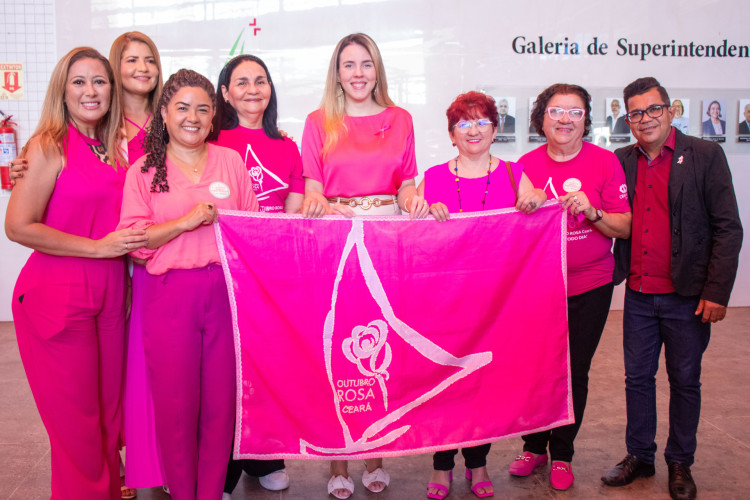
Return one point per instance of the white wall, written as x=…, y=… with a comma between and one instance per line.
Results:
x=433, y=50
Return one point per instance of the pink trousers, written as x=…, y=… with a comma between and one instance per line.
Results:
x=69, y=317
x=187, y=337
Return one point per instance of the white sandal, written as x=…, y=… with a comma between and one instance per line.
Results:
x=376, y=476
x=340, y=482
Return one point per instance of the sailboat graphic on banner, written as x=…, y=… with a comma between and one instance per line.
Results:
x=358, y=356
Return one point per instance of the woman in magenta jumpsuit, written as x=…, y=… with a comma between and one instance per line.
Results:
x=69, y=300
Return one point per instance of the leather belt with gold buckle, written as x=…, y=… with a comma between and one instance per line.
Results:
x=364, y=202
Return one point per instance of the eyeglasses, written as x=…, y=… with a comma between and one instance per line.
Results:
x=574, y=114
x=654, y=111
x=481, y=124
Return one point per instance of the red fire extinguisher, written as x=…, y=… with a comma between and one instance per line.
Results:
x=8, y=151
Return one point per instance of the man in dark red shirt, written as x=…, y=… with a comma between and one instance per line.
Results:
x=680, y=263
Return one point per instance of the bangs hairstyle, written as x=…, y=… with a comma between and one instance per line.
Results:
x=155, y=143
x=52, y=129
x=334, y=99
x=115, y=59
x=540, y=105
x=226, y=116
x=472, y=105
x=641, y=86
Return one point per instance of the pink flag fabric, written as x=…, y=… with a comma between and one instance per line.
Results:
x=383, y=336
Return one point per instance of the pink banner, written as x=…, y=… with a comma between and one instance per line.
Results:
x=368, y=337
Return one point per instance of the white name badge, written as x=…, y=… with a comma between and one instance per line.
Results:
x=572, y=185
x=219, y=190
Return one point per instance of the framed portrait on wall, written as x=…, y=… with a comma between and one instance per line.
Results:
x=743, y=127
x=506, y=124
x=714, y=122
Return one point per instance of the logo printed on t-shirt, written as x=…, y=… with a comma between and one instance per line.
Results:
x=219, y=190
x=260, y=175
x=623, y=188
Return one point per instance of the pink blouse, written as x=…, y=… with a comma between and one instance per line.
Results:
x=374, y=154
x=224, y=182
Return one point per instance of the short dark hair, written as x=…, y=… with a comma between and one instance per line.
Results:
x=540, y=105
x=226, y=116
x=641, y=86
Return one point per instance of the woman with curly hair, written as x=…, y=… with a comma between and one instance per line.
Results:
x=174, y=192
x=69, y=300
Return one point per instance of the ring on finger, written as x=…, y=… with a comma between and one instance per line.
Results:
x=126, y=245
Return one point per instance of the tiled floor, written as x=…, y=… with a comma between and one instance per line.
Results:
x=722, y=468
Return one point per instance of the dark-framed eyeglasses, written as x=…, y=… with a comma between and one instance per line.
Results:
x=481, y=124
x=574, y=114
x=654, y=111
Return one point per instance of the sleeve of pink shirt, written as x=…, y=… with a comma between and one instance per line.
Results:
x=409, y=164
x=614, y=190
x=136, y=210
x=296, y=181
x=312, y=145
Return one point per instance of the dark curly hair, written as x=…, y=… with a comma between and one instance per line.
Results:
x=226, y=116
x=540, y=105
x=157, y=137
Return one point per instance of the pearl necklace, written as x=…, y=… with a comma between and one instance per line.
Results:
x=458, y=185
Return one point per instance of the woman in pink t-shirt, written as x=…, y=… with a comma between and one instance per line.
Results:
x=246, y=121
x=174, y=192
x=473, y=181
x=358, y=158
x=589, y=183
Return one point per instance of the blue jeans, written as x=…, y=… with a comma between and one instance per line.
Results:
x=650, y=320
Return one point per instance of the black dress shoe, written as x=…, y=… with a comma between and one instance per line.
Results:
x=628, y=470
x=681, y=484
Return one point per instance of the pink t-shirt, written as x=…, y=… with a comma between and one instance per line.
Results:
x=598, y=173
x=224, y=182
x=374, y=155
x=274, y=165
x=440, y=186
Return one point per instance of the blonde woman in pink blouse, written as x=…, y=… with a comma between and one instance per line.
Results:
x=174, y=192
x=358, y=158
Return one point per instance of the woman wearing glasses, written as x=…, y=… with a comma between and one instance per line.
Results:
x=473, y=181
x=589, y=183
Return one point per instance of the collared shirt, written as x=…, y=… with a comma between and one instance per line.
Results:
x=651, y=247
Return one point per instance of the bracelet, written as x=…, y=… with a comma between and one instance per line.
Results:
x=406, y=205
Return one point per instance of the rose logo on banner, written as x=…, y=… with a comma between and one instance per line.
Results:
x=366, y=342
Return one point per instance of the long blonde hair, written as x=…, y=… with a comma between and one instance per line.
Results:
x=334, y=99
x=115, y=60
x=52, y=130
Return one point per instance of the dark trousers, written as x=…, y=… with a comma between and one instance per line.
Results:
x=255, y=468
x=650, y=320
x=474, y=456
x=587, y=315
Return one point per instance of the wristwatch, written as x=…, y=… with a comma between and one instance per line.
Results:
x=599, y=215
